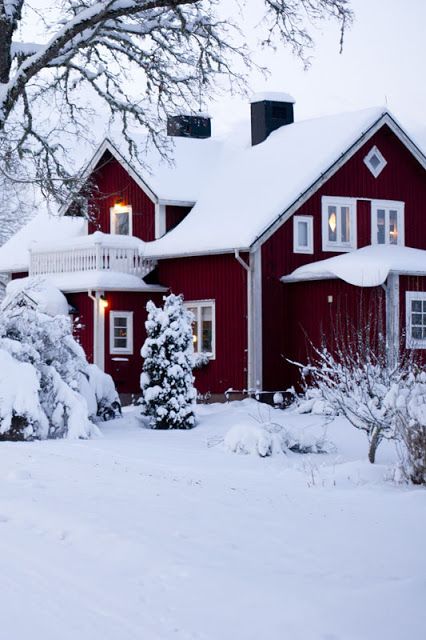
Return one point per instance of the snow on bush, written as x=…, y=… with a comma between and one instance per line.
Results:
x=107, y=400
x=166, y=381
x=269, y=438
x=41, y=349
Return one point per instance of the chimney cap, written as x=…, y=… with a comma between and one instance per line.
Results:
x=272, y=96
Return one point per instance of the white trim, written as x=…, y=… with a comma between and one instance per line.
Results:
x=376, y=171
x=160, y=220
x=129, y=316
x=298, y=248
x=338, y=245
x=388, y=204
x=199, y=305
x=118, y=208
x=256, y=308
x=413, y=343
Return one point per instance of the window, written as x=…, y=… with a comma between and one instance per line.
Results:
x=387, y=222
x=303, y=236
x=203, y=327
x=338, y=224
x=415, y=307
x=121, y=220
x=121, y=331
x=375, y=161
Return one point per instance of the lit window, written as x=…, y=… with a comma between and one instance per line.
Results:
x=303, y=236
x=121, y=331
x=203, y=327
x=121, y=220
x=415, y=303
x=338, y=224
x=375, y=161
x=387, y=222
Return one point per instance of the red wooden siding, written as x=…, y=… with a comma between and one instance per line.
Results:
x=402, y=179
x=112, y=183
x=126, y=369
x=83, y=321
x=174, y=215
x=20, y=274
x=222, y=279
x=410, y=283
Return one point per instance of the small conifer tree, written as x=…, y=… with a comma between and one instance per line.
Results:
x=167, y=380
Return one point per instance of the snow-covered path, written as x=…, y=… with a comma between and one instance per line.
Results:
x=151, y=535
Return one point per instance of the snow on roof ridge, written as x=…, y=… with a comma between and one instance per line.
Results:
x=365, y=267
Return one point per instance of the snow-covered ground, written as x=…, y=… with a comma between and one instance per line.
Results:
x=152, y=535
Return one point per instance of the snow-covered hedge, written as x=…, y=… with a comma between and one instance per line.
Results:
x=269, y=438
x=168, y=394
x=43, y=369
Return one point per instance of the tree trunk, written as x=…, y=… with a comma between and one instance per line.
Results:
x=374, y=443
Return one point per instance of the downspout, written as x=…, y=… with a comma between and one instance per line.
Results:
x=95, y=299
x=250, y=381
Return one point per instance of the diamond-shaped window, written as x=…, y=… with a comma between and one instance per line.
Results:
x=375, y=161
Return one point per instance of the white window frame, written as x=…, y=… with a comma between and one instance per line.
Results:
x=309, y=248
x=198, y=305
x=119, y=208
x=382, y=162
x=388, y=204
x=338, y=246
x=413, y=343
x=129, y=316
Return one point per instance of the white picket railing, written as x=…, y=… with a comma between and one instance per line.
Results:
x=94, y=258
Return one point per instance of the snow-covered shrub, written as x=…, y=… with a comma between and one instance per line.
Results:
x=407, y=400
x=269, y=438
x=52, y=364
x=168, y=394
x=108, y=403
x=199, y=360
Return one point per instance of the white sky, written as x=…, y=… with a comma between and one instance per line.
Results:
x=383, y=62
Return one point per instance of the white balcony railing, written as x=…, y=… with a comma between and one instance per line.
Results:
x=91, y=258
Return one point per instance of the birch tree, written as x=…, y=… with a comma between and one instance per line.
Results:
x=178, y=47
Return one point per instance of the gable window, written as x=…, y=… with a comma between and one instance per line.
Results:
x=121, y=220
x=203, y=327
x=415, y=306
x=387, y=222
x=303, y=234
x=121, y=331
x=375, y=161
x=338, y=224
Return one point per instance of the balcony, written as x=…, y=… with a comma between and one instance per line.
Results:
x=97, y=252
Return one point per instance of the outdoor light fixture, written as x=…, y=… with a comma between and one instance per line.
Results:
x=103, y=302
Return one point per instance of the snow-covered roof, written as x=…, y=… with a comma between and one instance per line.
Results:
x=96, y=281
x=274, y=96
x=14, y=254
x=366, y=267
x=253, y=186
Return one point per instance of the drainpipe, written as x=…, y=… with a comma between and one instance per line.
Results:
x=392, y=319
x=250, y=381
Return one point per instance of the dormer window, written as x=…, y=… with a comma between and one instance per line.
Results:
x=338, y=224
x=387, y=222
x=121, y=219
x=375, y=161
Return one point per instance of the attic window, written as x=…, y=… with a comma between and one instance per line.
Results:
x=375, y=161
x=121, y=220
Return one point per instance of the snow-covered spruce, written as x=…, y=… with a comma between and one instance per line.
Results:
x=39, y=356
x=166, y=380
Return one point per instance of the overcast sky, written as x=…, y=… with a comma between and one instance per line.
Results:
x=383, y=62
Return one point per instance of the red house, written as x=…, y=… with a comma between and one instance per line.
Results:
x=266, y=241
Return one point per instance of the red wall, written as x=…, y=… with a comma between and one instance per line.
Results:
x=220, y=278
x=113, y=182
x=174, y=215
x=83, y=321
x=402, y=179
x=126, y=369
x=410, y=283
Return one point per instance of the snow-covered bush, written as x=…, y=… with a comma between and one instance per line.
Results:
x=106, y=397
x=166, y=381
x=269, y=438
x=40, y=349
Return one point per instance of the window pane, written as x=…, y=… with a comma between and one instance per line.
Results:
x=416, y=333
x=380, y=226
x=120, y=322
x=121, y=223
x=120, y=343
x=424, y=305
x=302, y=234
x=195, y=335
x=374, y=161
x=393, y=226
x=207, y=329
x=417, y=318
x=416, y=305
x=332, y=223
x=345, y=222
